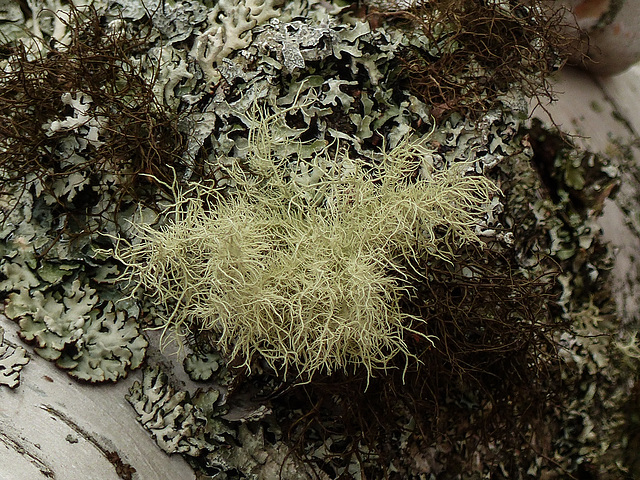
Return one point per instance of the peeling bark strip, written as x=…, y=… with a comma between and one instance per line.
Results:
x=34, y=459
x=124, y=470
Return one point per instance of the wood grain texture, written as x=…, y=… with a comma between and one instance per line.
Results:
x=623, y=90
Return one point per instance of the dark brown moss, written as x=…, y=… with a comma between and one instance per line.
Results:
x=139, y=137
x=479, y=50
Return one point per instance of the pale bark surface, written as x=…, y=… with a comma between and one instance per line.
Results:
x=53, y=427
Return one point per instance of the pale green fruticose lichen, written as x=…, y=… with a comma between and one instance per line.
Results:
x=308, y=271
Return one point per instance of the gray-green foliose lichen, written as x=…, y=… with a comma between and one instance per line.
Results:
x=66, y=304
x=220, y=438
x=12, y=360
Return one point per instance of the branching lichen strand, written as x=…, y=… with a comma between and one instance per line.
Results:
x=308, y=275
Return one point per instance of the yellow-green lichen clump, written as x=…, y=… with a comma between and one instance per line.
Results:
x=307, y=272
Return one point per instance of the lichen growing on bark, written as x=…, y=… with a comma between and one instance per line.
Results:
x=308, y=272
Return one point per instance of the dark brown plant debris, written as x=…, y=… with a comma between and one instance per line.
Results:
x=82, y=111
x=480, y=50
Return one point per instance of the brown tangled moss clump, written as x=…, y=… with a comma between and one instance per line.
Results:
x=490, y=370
x=79, y=118
x=479, y=50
